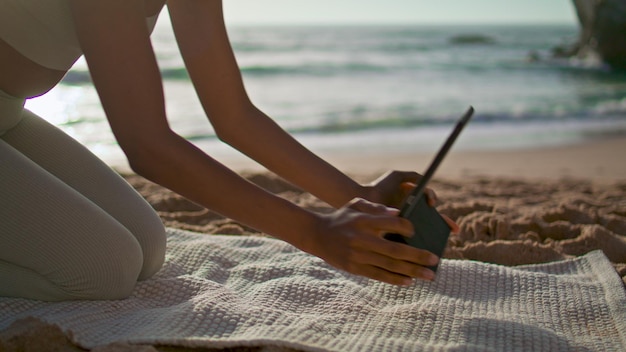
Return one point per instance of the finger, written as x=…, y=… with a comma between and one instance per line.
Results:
x=365, y=206
x=398, y=177
x=454, y=228
x=406, y=188
x=401, y=267
x=374, y=247
x=431, y=196
x=398, y=266
x=379, y=225
x=407, y=176
x=383, y=275
x=409, y=254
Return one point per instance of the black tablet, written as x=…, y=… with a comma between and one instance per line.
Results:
x=431, y=230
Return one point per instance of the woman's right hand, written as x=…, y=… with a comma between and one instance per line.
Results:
x=352, y=239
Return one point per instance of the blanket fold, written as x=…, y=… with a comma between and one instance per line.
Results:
x=224, y=291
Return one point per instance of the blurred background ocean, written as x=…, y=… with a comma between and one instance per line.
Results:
x=381, y=88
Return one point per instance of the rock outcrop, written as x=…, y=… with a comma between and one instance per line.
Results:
x=603, y=32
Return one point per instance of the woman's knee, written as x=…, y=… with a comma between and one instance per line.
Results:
x=152, y=239
x=110, y=271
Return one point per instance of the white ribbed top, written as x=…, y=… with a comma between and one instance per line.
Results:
x=43, y=31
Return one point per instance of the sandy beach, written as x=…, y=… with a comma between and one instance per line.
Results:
x=597, y=160
x=514, y=207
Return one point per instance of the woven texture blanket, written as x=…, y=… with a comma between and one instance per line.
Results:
x=223, y=291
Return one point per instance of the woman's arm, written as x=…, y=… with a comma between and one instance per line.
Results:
x=115, y=41
x=204, y=44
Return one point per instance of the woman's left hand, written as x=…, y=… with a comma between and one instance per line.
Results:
x=393, y=187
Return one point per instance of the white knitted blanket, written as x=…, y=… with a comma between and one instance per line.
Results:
x=222, y=291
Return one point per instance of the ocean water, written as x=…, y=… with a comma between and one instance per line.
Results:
x=382, y=88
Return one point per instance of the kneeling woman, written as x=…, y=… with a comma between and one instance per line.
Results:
x=71, y=228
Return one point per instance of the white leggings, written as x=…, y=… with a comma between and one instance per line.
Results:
x=70, y=227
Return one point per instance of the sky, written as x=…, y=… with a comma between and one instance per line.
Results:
x=399, y=11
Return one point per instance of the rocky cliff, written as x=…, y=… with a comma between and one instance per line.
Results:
x=603, y=32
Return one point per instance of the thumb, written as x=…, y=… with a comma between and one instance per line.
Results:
x=365, y=206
